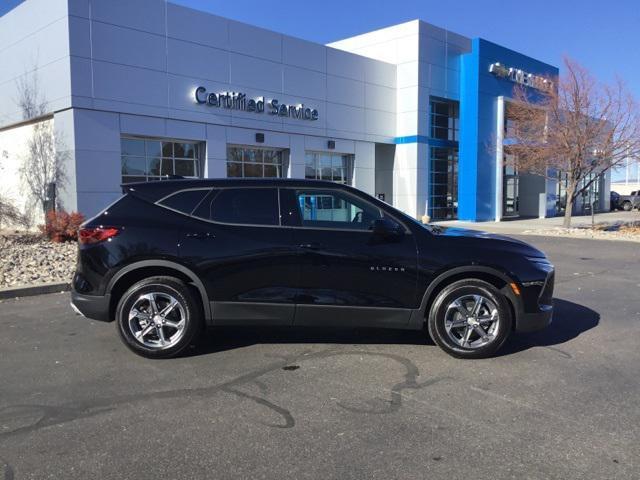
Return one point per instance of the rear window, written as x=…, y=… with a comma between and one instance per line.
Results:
x=252, y=206
x=185, y=201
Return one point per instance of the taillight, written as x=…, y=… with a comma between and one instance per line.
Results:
x=95, y=235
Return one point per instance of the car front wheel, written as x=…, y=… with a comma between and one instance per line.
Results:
x=158, y=317
x=470, y=319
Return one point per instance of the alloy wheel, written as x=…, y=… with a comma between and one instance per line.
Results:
x=157, y=320
x=472, y=321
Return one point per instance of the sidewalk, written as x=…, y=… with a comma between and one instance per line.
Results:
x=529, y=224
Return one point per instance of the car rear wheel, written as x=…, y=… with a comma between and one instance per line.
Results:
x=470, y=319
x=158, y=317
x=626, y=206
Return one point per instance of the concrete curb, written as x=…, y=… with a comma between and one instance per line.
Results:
x=31, y=290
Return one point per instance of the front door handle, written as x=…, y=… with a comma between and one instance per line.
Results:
x=310, y=246
x=200, y=235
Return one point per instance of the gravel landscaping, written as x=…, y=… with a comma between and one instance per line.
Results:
x=28, y=259
x=625, y=231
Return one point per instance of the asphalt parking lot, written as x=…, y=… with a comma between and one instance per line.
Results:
x=359, y=404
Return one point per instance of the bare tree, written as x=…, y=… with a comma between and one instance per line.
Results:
x=44, y=161
x=30, y=100
x=9, y=213
x=579, y=127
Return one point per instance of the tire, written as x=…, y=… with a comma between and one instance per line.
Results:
x=156, y=335
x=626, y=206
x=448, y=323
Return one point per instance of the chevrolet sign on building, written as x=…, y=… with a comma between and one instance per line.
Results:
x=520, y=76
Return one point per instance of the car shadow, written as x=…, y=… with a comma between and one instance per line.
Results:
x=219, y=339
x=569, y=320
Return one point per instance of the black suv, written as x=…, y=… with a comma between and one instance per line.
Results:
x=171, y=257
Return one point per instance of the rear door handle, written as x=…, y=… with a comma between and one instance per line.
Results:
x=200, y=235
x=310, y=246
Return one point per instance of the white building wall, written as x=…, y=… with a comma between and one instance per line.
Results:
x=96, y=153
x=14, y=153
x=34, y=41
x=196, y=48
x=13, y=147
x=428, y=64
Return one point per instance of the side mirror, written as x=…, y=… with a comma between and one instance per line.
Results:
x=385, y=228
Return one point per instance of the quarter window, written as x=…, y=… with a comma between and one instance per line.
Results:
x=149, y=159
x=253, y=206
x=185, y=201
x=328, y=209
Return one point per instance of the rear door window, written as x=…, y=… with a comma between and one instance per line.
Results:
x=184, y=201
x=247, y=206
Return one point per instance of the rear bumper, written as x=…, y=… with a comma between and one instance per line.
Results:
x=95, y=307
x=530, y=322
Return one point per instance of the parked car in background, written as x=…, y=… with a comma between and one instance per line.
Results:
x=614, y=199
x=629, y=202
x=171, y=257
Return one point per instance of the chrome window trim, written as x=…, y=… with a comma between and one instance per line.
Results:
x=279, y=225
x=159, y=202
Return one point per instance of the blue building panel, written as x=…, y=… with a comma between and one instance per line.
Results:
x=479, y=92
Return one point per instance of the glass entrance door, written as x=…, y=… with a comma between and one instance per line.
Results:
x=443, y=200
x=510, y=196
x=510, y=184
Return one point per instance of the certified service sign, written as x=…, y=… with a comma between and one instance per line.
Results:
x=240, y=101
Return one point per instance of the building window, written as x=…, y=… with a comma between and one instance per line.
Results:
x=443, y=200
x=144, y=159
x=444, y=119
x=329, y=166
x=256, y=162
x=589, y=198
x=444, y=125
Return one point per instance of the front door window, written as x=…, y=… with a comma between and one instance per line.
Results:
x=327, y=209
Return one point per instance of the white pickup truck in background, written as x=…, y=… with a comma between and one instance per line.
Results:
x=629, y=202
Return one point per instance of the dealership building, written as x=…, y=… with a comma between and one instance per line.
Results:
x=136, y=90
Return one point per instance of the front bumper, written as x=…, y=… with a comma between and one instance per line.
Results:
x=95, y=307
x=530, y=322
x=540, y=312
